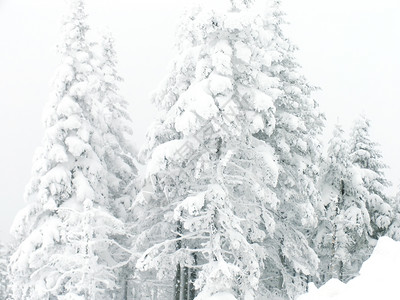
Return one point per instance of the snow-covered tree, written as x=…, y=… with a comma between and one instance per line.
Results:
x=5, y=292
x=119, y=152
x=342, y=237
x=296, y=142
x=394, y=228
x=208, y=212
x=68, y=234
x=365, y=154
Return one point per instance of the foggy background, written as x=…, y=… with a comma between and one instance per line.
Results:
x=348, y=48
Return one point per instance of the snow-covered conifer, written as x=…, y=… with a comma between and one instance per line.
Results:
x=68, y=234
x=296, y=142
x=394, y=228
x=208, y=212
x=119, y=152
x=342, y=238
x=5, y=292
x=365, y=154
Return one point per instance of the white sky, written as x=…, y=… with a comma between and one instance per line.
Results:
x=350, y=48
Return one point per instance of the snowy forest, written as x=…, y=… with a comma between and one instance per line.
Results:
x=234, y=195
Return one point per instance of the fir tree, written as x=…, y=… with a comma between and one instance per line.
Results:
x=394, y=228
x=365, y=154
x=342, y=239
x=119, y=152
x=68, y=234
x=296, y=142
x=209, y=210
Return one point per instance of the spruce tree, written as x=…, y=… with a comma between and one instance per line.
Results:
x=394, y=228
x=365, y=154
x=342, y=238
x=209, y=212
x=69, y=234
x=119, y=152
x=296, y=142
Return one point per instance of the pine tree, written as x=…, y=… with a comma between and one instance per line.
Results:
x=365, y=154
x=342, y=238
x=208, y=211
x=68, y=234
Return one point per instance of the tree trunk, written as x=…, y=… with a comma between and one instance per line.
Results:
x=179, y=271
x=125, y=292
x=192, y=278
x=341, y=271
x=184, y=283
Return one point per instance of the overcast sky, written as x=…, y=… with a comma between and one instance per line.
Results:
x=349, y=48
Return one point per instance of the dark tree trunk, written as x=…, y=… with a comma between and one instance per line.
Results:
x=179, y=270
x=191, y=292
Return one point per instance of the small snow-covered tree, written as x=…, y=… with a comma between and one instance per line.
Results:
x=365, y=154
x=342, y=238
x=68, y=234
x=5, y=292
x=208, y=212
x=394, y=228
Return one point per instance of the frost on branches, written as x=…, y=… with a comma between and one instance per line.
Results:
x=365, y=154
x=394, y=228
x=71, y=233
x=5, y=292
x=355, y=209
x=296, y=142
x=209, y=216
x=342, y=239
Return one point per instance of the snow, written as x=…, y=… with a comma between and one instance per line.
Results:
x=378, y=278
x=221, y=58
x=219, y=84
x=75, y=145
x=222, y=296
x=57, y=153
x=192, y=205
x=217, y=6
x=167, y=151
x=197, y=106
x=243, y=52
x=68, y=106
x=234, y=21
x=262, y=102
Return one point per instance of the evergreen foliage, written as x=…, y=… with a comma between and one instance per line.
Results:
x=70, y=233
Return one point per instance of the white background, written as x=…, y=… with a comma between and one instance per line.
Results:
x=349, y=48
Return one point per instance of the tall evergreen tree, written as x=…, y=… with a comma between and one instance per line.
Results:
x=68, y=234
x=365, y=154
x=209, y=210
x=119, y=152
x=296, y=142
x=342, y=238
